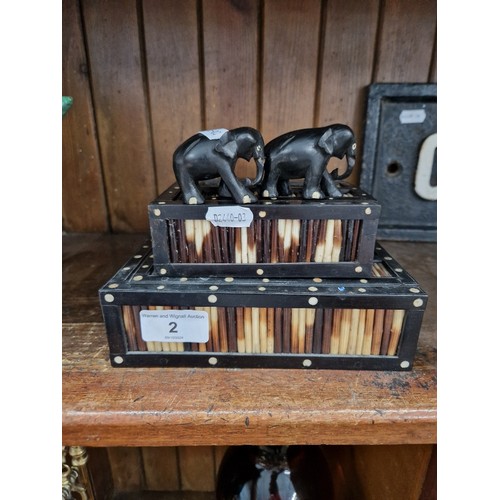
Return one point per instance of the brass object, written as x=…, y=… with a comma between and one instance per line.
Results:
x=76, y=480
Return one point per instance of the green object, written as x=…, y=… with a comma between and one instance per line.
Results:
x=66, y=104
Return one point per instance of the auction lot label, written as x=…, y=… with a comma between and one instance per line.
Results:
x=174, y=326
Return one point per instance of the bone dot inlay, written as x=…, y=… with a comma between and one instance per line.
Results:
x=362, y=290
x=137, y=256
x=160, y=287
x=307, y=363
x=113, y=285
x=313, y=289
x=212, y=299
x=414, y=290
x=109, y=298
x=418, y=302
x=182, y=280
x=387, y=258
x=363, y=281
x=214, y=287
x=212, y=361
x=260, y=272
x=368, y=211
x=144, y=266
x=118, y=360
x=262, y=213
x=163, y=271
x=313, y=301
x=262, y=288
x=163, y=202
x=398, y=270
x=358, y=269
x=317, y=280
x=126, y=268
x=137, y=278
x=229, y=279
x=405, y=364
x=265, y=280
x=157, y=212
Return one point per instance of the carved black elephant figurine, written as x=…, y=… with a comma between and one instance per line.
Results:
x=213, y=153
x=305, y=154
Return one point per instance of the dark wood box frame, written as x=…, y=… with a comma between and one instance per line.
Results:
x=359, y=206
x=136, y=284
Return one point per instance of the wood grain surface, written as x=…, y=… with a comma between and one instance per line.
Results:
x=105, y=406
x=406, y=41
x=346, y=66
x=81, y=163
x=376, y=468
x=117, y=75
x=174, y=79
x=161, y=468
x=126, y=468
x=231, y=68
x=290, y=65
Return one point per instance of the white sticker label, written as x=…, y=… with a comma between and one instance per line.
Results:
x=215, y=133
x=235, y=216
x=412, y=116
x=174, y=326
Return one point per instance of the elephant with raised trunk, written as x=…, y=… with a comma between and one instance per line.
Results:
x=305, y=154
x=213, y=153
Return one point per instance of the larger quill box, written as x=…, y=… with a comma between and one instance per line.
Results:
x=287, y=236
x=361, y=323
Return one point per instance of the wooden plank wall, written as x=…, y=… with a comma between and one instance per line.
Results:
x=390, y=472
x=147, y=74
x=183, y=468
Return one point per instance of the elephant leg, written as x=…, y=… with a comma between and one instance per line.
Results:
x=284, y=187
x=239, y=192
x=190, y=192
x=312, y=190
x=329, y=185
x=223, y=191
x=270, y=189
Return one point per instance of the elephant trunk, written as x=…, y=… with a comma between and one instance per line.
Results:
x=258, y=176
x=351, y=161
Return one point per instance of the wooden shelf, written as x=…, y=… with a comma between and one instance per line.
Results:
x=106, y=406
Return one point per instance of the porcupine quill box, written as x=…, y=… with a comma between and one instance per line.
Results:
x=287, y=236
x=355, y=323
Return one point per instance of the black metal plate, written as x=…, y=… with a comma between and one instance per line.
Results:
x=400, y=117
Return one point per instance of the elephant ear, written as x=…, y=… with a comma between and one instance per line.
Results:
x=227, y=145
x=326, y=141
